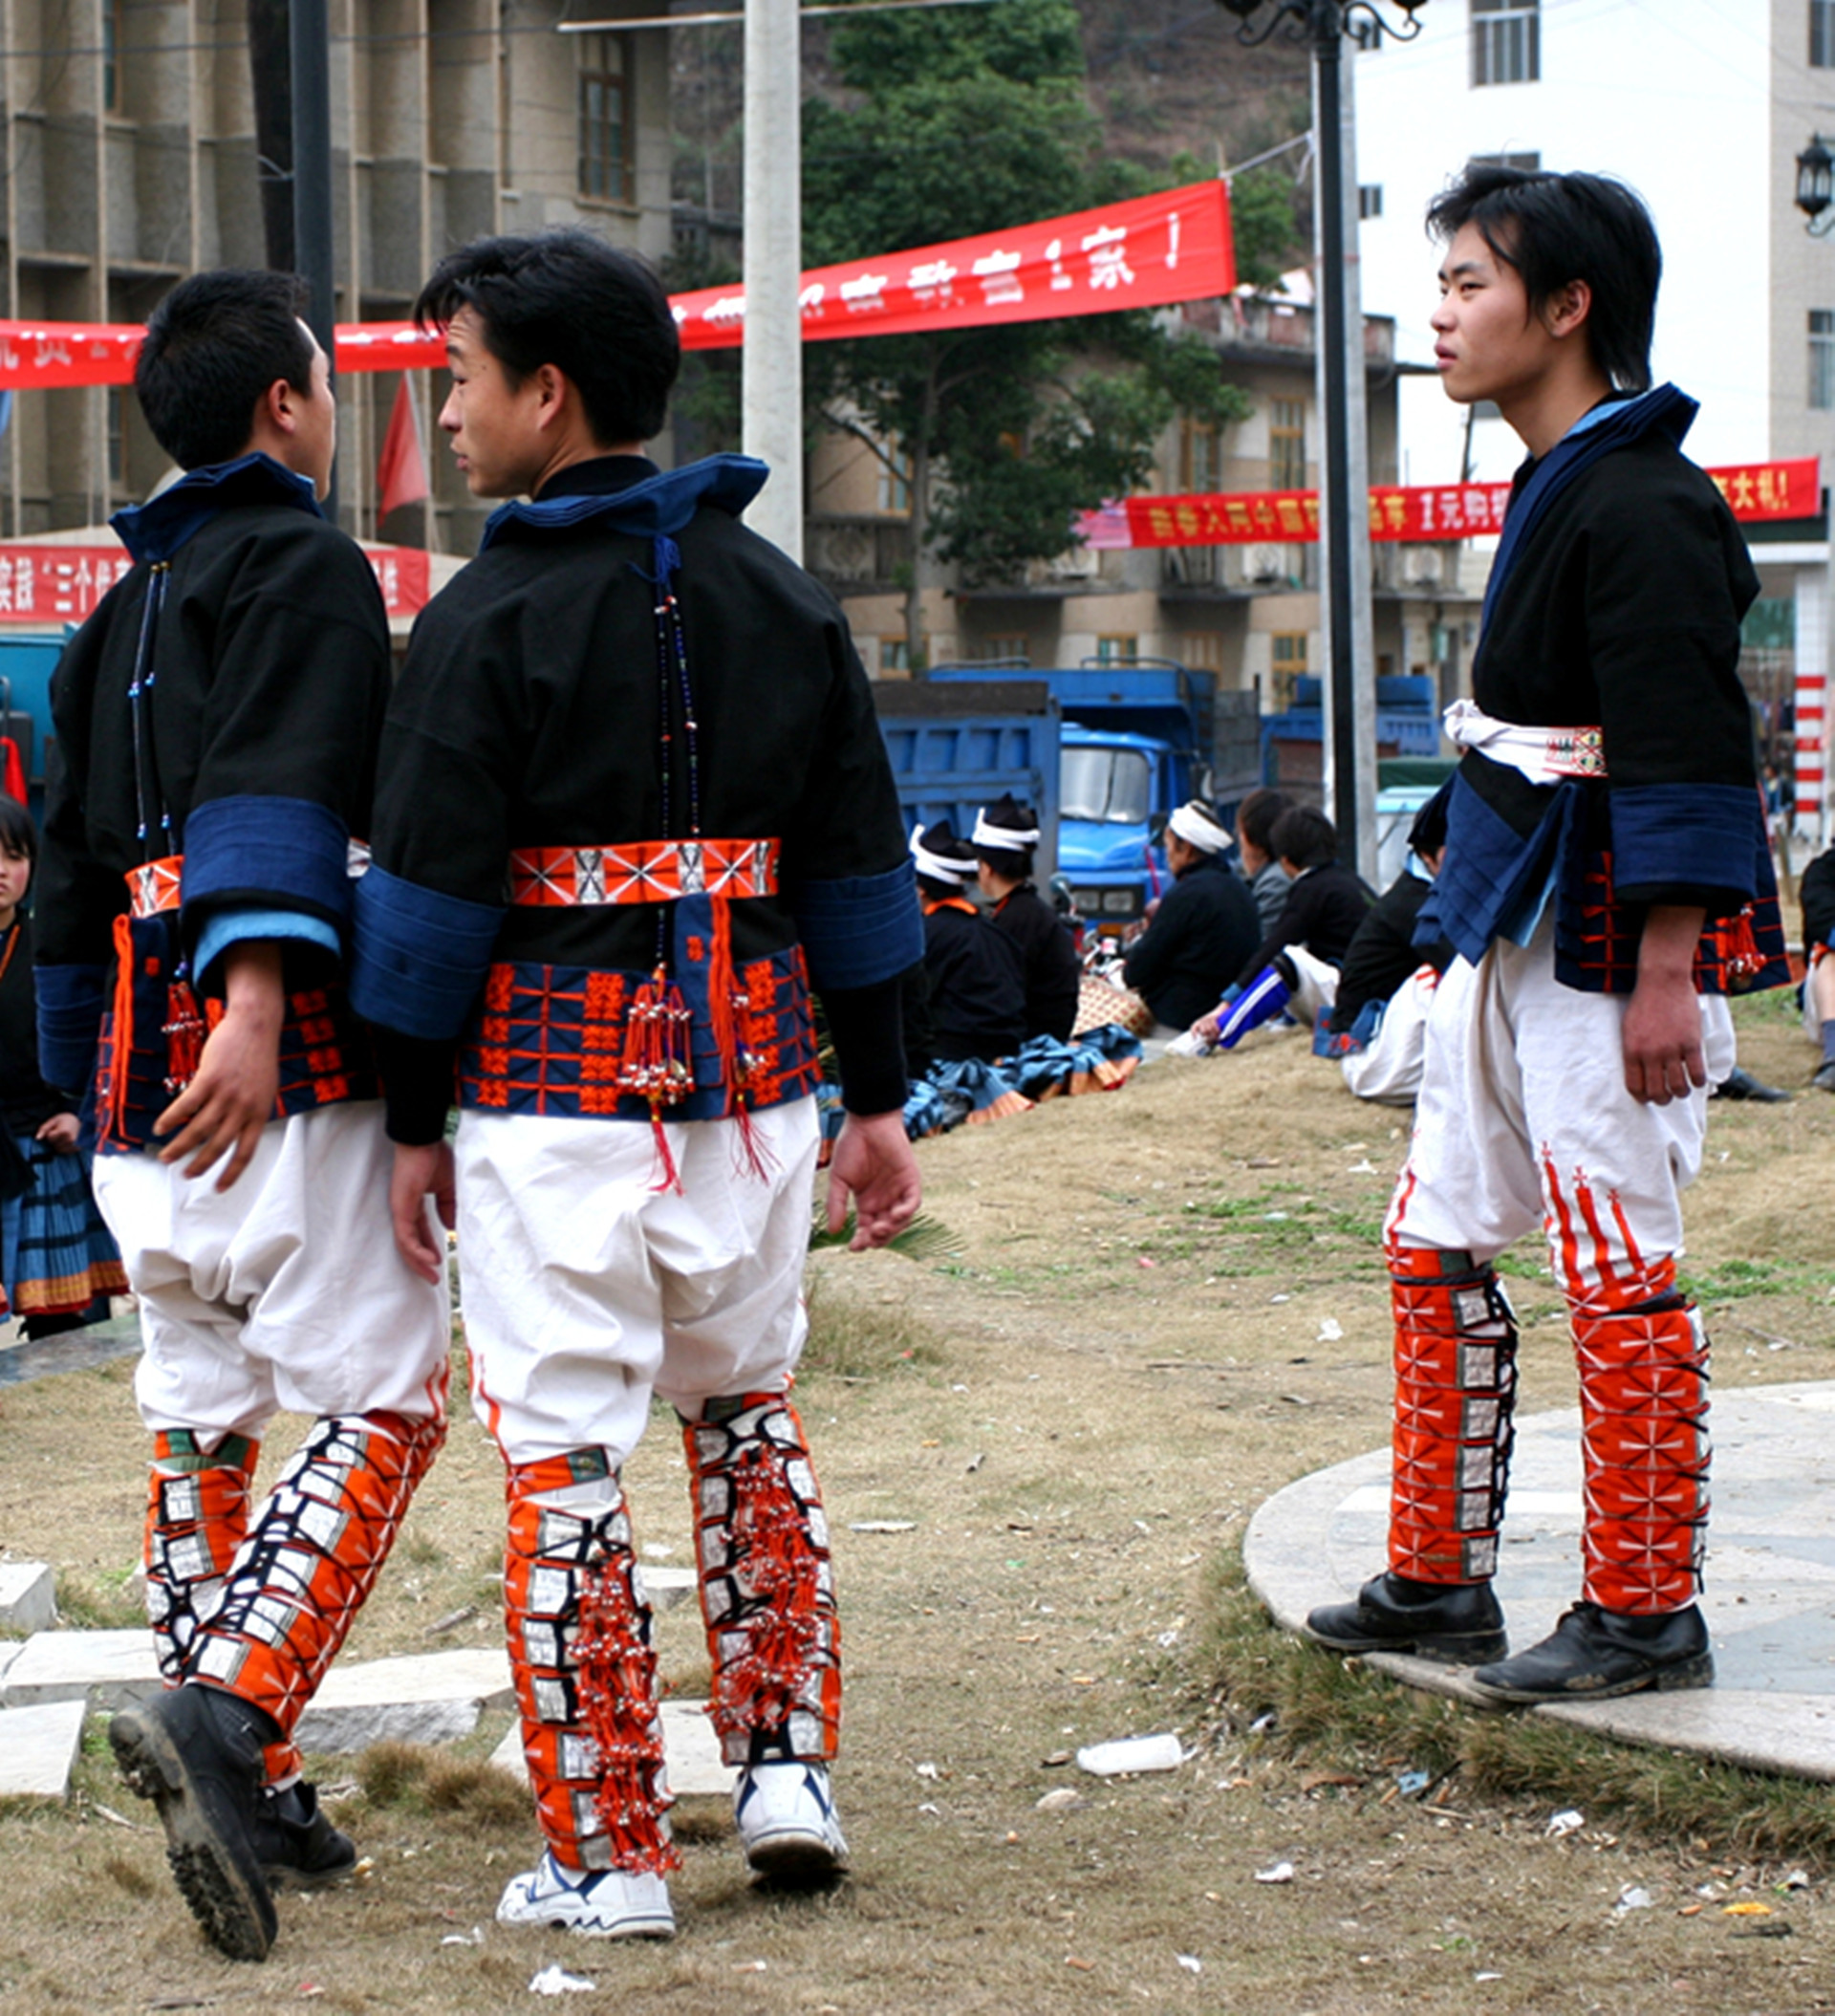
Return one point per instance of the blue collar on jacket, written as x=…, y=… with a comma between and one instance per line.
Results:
x=1610, y=424
x=154, y=531
x=653, y=506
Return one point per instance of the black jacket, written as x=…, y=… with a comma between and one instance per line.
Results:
x=974, y=983
x=1383, y=953
x=1323, y=908
x=1204, y=928
x=1053, y=977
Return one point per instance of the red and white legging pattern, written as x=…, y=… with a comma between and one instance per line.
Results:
x=1525, y=1120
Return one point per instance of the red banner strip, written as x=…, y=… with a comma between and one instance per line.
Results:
x=1755, y=493
x=48, y=585
x=1142, y=253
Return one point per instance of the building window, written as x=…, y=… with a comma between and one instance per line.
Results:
x=1822, y=35
x=1369, y=201
x=1821, y=359
x=894, y=482
x=113, y=23
x=895, y=656
x=1202, y=650
x=1507, y=42
x=1008, y=651
x=1286, y=444
x=1117, y=650
x=605, y=128
x=1524, y=164
x=1200, y=457
x=1287, y=658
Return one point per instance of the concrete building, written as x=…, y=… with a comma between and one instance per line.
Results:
x=131, y=161
x=1250, y=614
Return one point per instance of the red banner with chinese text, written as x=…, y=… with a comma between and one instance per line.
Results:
x=1755, y=493
x=1142, y=253
x=62, y=584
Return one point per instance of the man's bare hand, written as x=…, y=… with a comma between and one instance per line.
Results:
x=234, y=1093
x=60, y=1132
x=1662, y=1033
x=421, y=1173
x=874, y=1165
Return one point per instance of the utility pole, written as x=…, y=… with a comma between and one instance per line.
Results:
x=312, y=95
x=772, y=363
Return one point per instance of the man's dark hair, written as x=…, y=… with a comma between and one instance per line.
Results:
x=1554, y=228
x=568, y=300
x=1256, y=817
x=1306, y=837
x=18, y=835
x=212, y=348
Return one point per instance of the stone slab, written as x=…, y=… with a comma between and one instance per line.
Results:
x=109, y=1669
x=428, y=1697
x=1770, y=1596
x=690, y=1748
x=668, y=1588
x=27, y=1596
x=38, y=1747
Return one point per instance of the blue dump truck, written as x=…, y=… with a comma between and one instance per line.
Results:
x=1105, y=753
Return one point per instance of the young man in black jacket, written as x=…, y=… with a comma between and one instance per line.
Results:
x=1607, y=881
x=217, y=721
x=633, y=804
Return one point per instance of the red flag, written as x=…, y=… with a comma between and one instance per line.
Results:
x=401, y=470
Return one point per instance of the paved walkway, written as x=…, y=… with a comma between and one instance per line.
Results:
x=1770, y=1601
x=70, y=1350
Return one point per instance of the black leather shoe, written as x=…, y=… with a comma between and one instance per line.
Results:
x=1594, y=1654
x=1459, y=1623
x=1824, y=1078
x=297, y=1847
x=1740, y=1084
x=196, y=1752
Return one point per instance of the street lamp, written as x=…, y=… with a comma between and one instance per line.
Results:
x=1816, y=187
x=1323, y=25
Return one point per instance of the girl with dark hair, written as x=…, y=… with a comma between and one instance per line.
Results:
x=55, y=1255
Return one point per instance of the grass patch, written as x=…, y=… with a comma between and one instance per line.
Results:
x=853, y=1339
x=98, y=1601
x=1733, y=1280
x=409, y=1777
x=1337, y=1714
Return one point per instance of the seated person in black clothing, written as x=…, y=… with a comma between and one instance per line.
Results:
x=1376, y=1029
x=1203, y=929
x=1003, y=839
x=974, y=982
x=1295, y=968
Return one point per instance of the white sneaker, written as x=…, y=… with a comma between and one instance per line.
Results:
x=605, y=1903
x=785, y=1813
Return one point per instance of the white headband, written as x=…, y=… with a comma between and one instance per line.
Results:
x=937, y=867
x=1195, y=826
x=1010, y=839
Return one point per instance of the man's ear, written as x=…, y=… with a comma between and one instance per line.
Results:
x=277, y=407
x=552, y=387
x=1567, y=308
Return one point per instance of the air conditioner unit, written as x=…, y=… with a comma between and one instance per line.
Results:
x=1076, y=563
x=1265, y=563
x=1422, y=566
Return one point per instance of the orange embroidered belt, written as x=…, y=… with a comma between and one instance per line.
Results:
x=642, y=872
x=155, y=886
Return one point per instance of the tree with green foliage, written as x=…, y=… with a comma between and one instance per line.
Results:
x=964, y=122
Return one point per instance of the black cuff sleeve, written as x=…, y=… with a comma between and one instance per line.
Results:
x=417, y=1086
x=868, y=1031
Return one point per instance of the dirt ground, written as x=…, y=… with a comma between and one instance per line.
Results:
x=1039, y=1457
